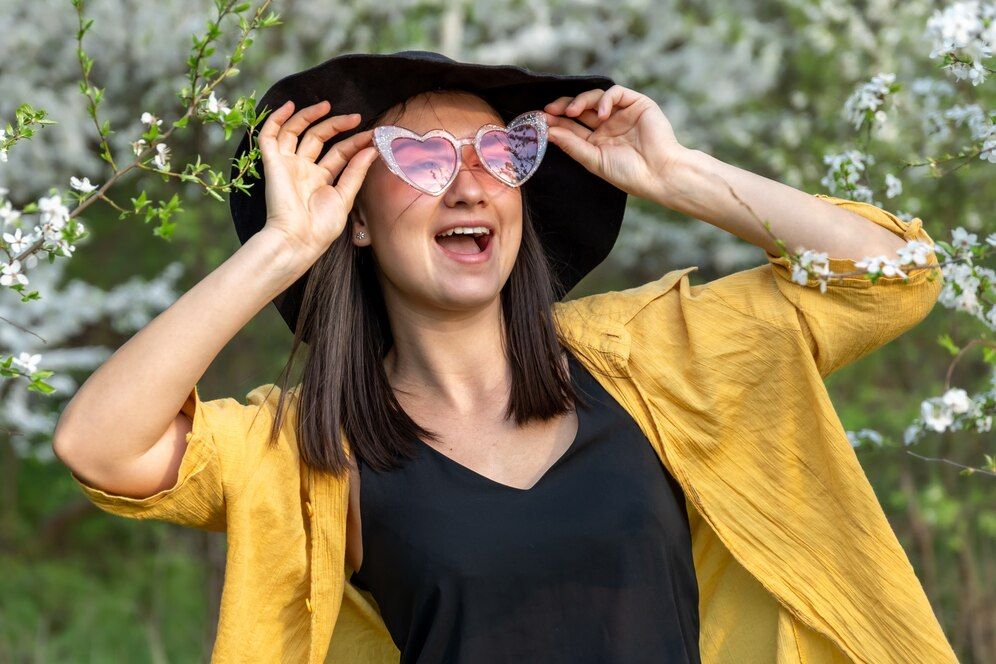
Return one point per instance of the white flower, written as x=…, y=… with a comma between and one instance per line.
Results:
x=28, y=361
x=845, y=169
x=215, y=106
x=915, y=251
x=893, y=186
x=865, y=435
x=966, y=30
x=867, y=99
x=161, y=160
x=811, y=263
x=17, y=242
x=957, y=400
x=12, y=272
x=81, y=185
x=8, y=214
x=962, y=239
x=880, y=265
x=150, y=119
x=53, y=212
x=936, y=415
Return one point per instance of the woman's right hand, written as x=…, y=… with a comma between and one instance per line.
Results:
x=302, y=205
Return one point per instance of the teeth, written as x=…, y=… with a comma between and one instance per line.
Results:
x=466, y=230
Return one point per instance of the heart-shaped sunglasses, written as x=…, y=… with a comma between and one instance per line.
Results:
x=430, y=162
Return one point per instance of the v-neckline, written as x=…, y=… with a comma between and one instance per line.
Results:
x=571, y=360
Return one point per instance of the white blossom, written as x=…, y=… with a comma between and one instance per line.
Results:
x=12, y=272
x=880, y=265
x=27, y=361
x=17, y=242
x=214, y=106
x=868, y=99
x=161, y=160
x=962, y=239
x=845, y=169
x=81, y=185
x=893, y=186
x=935, y=415
x=966, y=30
x=916, y=252
x=811, y=263
x=957, y=400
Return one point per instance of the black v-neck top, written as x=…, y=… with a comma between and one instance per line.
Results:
x=593, y=563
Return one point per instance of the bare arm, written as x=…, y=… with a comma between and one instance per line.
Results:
x=123, y=430
x=800, y=219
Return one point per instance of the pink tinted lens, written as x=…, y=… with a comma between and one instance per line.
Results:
x=429, y=163
x=510, y=156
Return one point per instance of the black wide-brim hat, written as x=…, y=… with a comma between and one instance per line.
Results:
x=576, y=213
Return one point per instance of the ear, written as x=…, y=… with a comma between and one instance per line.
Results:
x=357, y=224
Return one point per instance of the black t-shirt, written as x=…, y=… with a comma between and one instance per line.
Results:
x=591, y=564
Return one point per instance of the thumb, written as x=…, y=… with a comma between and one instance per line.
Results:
x=576, y=147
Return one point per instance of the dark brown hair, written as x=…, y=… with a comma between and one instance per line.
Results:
x=344, y=389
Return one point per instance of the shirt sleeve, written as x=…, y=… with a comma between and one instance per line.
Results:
x=225, y=440
x=854, y=316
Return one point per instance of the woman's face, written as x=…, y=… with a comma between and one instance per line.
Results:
x=402, y=223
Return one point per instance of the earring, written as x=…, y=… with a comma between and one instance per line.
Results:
x=361, y=235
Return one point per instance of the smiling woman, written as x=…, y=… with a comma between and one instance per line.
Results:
x=652, y=474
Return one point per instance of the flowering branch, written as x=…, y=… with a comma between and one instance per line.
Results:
x=58, y=228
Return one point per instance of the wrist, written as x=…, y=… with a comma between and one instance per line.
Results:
x=685, y=175
x=281, y=262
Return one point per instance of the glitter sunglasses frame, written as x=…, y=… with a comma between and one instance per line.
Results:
x=384, y=136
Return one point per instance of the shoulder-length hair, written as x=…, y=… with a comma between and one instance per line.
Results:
x=344, y=389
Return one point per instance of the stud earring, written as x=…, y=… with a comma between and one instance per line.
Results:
x=360, y=235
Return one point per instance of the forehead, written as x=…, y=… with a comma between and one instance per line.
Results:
x=459, y=114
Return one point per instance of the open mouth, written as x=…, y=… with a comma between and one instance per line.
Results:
x=465, y=240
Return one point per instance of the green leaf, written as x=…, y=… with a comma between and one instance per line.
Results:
x=945, y=341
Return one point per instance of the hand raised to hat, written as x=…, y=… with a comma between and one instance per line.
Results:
x=618, y=134
x=302, y=205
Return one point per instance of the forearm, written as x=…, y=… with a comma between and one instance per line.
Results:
x=129, y=402
x=698, y=185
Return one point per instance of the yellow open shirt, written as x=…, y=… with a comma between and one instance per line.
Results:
x=794, y=557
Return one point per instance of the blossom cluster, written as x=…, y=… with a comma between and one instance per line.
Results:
x=964, y=34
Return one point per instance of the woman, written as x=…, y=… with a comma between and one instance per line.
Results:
x=653, y=474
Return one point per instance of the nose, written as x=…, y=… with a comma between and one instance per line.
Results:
x=468, y=185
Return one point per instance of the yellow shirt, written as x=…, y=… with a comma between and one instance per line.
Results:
x=794, y=557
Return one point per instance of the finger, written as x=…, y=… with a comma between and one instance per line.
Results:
x=576, y=147
x=342, y=151
x=588, y=119
x=317, y=135
x=287, y=136
x=558, y=105
x=612, y=96
x=586, y=99
x=572, y=126
x=267, y=138
x=354, y=173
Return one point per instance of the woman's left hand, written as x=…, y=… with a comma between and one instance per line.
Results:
x=620, y=135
